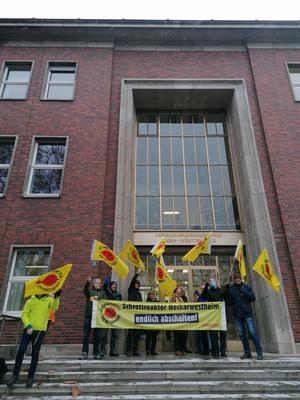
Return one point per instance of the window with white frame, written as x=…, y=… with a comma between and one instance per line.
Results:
x=6, y=153
x=46, y=170
x=15, y=80
x=294, y=72
x=26, y=263
x=60, y=81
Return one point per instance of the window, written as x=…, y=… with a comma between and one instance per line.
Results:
x=46, y=170
x=60, y=81
x=184, y=177
x=26, y=263
x=15, y=80
x=294, y=72
x=7, y=145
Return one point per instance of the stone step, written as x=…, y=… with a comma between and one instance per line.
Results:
x=123, y=363
x=155, y=375
x=163, y=387
x=160, y=396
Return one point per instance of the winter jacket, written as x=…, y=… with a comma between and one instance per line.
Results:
x=92, y=292
x=240, y=297
x=134, y=294
x=212, y=294
x=111, y=295
x=36, y=312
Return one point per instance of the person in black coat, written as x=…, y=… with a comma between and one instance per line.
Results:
x=111, y=290
x=240, y=296
x=213, y=293
x=93, y=291
x=134, y=294
x=151, y=335
x=185, y=333
x=202, y=338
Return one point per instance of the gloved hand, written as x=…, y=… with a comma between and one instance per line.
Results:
x=29, y=329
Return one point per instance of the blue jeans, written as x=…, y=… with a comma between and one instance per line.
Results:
x=241, y=324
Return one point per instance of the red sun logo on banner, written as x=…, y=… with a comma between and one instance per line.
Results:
x=160, y=273
x=133, y=256
x=110, y=312
x=108, y=256
x=48, y=280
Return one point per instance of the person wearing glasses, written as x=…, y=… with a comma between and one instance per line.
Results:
x=93, y=291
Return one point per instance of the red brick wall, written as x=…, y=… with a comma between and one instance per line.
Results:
x=86, y=209
x=73, y=221
x=281, y=124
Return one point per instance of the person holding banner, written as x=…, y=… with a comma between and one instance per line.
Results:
x=34, y=316
x=203, y=343
x=111, y=290
x=179, y=336
x=212, y=293
x=134, y=294
x=92, y=291
x=240, y=296
x=151, y=336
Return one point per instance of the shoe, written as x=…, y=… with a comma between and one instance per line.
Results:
x=98, y=357
x=29, y=383
x=12, y=381
x=136, y=354
x=113, y=354
x=223, y=355
x=246, y=356
x=153, y=353
x=128, y=354
x=260, y=357
x=215, y=355
x=178, y=353
x=84, y=356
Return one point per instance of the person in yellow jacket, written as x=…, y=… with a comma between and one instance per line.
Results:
x=35, y=317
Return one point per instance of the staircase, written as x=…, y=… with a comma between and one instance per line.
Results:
x=161, y=377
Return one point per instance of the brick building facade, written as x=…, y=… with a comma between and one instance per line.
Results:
x=249, y=71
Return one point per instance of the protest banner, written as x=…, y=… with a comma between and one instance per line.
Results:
x=160, y=316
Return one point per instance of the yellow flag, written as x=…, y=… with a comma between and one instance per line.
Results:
x=131, y=254
x=239, y=255
x=203, y=247
x=166, y=284
x=263, y=267
x=101, y=252
x=159, y=248
x=47, y=283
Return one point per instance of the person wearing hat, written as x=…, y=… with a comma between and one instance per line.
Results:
x=240, y=296
x=134, y=294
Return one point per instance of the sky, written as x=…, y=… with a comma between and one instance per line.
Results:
x=154, y=9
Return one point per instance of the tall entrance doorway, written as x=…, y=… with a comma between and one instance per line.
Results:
x=192, y=278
